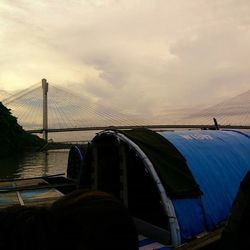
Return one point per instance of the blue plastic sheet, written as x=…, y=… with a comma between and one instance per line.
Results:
x=218, y=161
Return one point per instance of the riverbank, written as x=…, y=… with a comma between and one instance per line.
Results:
x=13, y=138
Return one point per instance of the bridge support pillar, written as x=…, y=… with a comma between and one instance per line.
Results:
x=45, y=87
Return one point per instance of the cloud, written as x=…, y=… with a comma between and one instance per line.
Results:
x=140, y=56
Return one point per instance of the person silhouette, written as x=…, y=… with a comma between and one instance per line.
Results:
x=86, y=220
x=236, y=234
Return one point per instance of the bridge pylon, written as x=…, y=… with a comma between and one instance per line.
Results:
x=45, y=87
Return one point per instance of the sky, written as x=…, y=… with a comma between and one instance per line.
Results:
x=151, y=57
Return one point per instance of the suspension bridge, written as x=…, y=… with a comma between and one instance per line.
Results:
x=45, y=108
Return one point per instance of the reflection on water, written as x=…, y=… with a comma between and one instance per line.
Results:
x=33, y=164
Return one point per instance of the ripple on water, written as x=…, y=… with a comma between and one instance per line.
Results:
x=33, y=164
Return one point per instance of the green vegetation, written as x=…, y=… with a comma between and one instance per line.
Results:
x=13, y=139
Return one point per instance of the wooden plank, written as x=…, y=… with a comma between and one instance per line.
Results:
x=40, y=196
x=30, y=182
x=44, y=202
x=5, y=184
x=29, y=191
x=20, y=199
x=6, y=190
x=203, y=240
x=7, y=199
x=31, y=178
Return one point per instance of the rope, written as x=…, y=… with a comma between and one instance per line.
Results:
x=69, y=110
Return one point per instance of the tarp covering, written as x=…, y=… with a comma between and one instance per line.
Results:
x=75, y=162
x=218, y=161
x=168, y=162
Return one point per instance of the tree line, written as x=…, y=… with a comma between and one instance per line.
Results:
x=13, y=138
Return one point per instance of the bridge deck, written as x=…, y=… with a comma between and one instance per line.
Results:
x=54, y=130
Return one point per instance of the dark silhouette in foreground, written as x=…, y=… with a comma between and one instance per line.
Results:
x=80, y=220
x=236, y=234
x=93, y=220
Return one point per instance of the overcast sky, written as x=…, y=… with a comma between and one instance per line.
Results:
x=142, y=56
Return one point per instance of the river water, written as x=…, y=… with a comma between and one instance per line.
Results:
x=32, y=164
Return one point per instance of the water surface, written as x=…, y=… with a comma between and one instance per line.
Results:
x=32, y=164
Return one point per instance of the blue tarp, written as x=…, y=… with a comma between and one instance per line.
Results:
x=218, y=161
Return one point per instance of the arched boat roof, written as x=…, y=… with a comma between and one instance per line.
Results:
x=201, y=171
x=167, y=160
x=218, y=160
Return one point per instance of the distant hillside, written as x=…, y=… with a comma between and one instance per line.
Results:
x=234, y=111
x=13, y=139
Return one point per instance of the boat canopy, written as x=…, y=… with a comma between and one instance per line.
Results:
x=218, y=160
x=183, y=181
